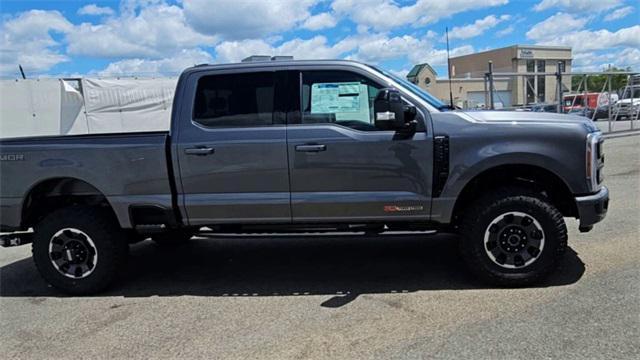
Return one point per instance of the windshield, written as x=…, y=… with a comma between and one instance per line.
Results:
x=628, y=92
x=573, y=101
x=416, y=90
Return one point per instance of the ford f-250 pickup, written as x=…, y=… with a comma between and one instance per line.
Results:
x=284, y=146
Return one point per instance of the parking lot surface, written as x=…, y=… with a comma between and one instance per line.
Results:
x=386, y=297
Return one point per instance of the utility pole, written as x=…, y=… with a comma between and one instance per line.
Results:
x=449, y=70
x=491, y=87
x=559, y=86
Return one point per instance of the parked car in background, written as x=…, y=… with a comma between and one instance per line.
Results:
x=629, y=104
x=579, y=101
x=602, y=112
x=553, y=108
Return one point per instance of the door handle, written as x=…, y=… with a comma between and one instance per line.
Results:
x=199, y=151
x=311, y=148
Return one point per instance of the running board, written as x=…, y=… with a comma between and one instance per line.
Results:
x=150, y=228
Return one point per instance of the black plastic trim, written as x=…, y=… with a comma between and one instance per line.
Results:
x=440, y=164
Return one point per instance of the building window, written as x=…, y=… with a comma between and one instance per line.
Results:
x=530, y=87
x=563, y=66
x=540, y=89
x=531, y=66
x=535, y=84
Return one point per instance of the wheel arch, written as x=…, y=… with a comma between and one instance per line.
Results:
x=534, y=177
x=54, y=193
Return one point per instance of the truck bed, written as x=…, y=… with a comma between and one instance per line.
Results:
x=125, y=167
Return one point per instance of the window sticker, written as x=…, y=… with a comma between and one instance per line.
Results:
x=348, y=100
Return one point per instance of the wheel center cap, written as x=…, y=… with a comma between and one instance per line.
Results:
x=75, y=252
x=513, y=239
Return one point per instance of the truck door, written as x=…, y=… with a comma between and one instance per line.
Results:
x=231, y=149
x=343, y=168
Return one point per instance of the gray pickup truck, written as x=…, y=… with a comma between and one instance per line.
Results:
x=295, y=146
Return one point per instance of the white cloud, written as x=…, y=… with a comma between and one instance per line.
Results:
x=167, y=66
x=591, y=48
x=314, y=48
x=26, y=39
x=387, y=14
x=556, y=26
x=629, y=57
x=378, y=48
x=238, y=19
x=593, y=61
x=589, y=40
x=431, y=34
x=506, y=31
x=320, y=21
x=154, y=31
x=477, y=28
x=370, y=48
x=578, y=5
x=93, y=9
x=619, y=13
x=402, y=73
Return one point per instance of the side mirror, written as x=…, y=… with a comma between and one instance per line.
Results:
x=389, y=110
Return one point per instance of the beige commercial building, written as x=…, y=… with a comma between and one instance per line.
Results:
x=468, y=76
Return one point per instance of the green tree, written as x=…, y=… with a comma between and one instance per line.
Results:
x=597, y=82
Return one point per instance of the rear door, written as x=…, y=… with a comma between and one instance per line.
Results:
x=231, y=149
x=343, y=168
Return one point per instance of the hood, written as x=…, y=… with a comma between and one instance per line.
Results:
x=627, y=101
x=526, y=116
x=530, y=117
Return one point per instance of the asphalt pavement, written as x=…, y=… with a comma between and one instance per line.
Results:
x=342, y=297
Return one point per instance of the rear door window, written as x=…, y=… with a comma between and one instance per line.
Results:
x=235, y=100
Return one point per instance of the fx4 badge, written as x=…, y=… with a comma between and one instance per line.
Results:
x=394, y=208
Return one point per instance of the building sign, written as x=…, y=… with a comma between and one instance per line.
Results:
x=526, y=54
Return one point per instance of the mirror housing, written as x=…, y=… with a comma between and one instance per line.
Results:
x=389, y=110
x=392, y=114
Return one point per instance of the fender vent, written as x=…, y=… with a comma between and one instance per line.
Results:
x=440, y=164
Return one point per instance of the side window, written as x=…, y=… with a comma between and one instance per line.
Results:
x=235, y=100
x=339, y=97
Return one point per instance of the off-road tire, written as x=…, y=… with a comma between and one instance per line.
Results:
x=482, y=212
x=101, y=226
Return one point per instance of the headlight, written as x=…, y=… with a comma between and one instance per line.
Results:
x=594, y=158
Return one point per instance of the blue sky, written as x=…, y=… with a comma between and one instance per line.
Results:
x=155, y=37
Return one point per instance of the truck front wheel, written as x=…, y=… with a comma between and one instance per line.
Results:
x=512, y=238
x=79, y=250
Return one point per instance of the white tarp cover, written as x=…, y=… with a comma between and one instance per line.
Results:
x=55, y=107
x=128, y=105
x=35, y=108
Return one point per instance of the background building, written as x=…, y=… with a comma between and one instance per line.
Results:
x=468, y=83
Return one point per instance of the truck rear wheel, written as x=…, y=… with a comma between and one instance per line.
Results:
x=512, y=238
x=79, y=250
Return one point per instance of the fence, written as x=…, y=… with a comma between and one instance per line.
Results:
x=617, y=98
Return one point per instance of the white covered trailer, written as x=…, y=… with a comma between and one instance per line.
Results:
x=43, y=107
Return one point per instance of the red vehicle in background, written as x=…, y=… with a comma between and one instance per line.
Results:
x=581, y=101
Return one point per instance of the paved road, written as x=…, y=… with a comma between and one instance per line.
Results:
x=343, y=297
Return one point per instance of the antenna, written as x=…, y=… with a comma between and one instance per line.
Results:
x=449, y=68
x=21, y=71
